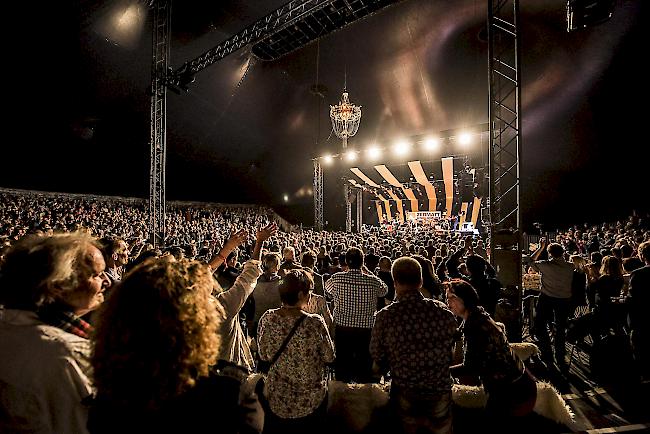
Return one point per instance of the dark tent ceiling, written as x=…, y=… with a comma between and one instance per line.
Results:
x=247, y=128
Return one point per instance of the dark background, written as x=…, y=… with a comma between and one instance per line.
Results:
x=77, y=116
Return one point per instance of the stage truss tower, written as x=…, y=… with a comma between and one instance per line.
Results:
x=347, y=191
x=504, y=51
x=359, y=202
x=318, y=195
x=158, y=135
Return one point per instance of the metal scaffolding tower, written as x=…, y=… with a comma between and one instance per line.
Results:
x=158, y=135
x=359, y=201
x=318, y=195
x=504, y=51
x=348, y=207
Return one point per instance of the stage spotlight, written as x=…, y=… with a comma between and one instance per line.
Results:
x=373, y=152
x=401, y=148
x=327, y=159
x=286, y=198
x=431, y=144
x=350, y=155
x=464, y=138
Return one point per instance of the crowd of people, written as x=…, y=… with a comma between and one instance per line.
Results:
x=95, y=322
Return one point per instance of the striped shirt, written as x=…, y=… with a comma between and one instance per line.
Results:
x=355, y=297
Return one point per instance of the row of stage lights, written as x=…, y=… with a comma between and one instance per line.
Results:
x=399, y=149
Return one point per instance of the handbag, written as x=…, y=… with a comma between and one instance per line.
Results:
x=264, y=366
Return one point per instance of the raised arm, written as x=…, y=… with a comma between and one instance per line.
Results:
x=235, y=240
x=262, y=235
x=540, y=249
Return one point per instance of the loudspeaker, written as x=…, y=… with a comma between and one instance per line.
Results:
x=508, y=266
x=586, y=13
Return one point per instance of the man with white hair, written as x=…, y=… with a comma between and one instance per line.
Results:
x=288, y=261
x=46, y=284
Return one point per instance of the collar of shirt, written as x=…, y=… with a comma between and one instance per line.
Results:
x=410, y=296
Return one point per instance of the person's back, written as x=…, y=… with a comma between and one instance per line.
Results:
x=355, y=296
x=638, y=302
x=155, y=350
x=412, y=338
x=213, y=400
x=266, y=294
x=557, y=277
x=554, y=301
x=418, y=333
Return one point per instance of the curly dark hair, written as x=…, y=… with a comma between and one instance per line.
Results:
x=157, y=333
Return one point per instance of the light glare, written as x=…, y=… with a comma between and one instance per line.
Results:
x=350, y=155
x=465, y=138
x=374, y=152
x=401, y=148
x=431, y=144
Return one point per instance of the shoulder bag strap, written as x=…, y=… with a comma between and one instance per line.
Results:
x=287, y=339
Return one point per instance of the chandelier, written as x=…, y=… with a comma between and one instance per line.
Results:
x=345, y=118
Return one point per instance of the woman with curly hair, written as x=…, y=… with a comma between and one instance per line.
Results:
x=156, y=342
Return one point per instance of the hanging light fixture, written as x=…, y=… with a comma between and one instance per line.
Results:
x=345, y=118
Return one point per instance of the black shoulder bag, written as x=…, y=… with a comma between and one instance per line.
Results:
x=262, y=365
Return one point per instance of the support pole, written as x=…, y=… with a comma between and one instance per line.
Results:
x=348, y=207
x=158, y=136
x=359, y=201
x=318, y=195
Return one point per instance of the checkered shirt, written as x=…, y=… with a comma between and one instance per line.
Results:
x=355, y=297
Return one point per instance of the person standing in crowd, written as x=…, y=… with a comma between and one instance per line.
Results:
x=511, y=390
x=638, y=302
x=308, y=262
x=385, y=275
x=355, y=297
x=155, y=349
x=234, y=349
x=412, y=338
x=430, y=283
x=488, y=288
x=296, y=385
x=608, y=285
x=554, y=301
x=266, y=293
x=46, y=284
x=288, y=260
x=116, y=255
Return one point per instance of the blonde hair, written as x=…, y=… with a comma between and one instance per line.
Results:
x=611, y=266
x=157, y=333
x=579, y=262
x=39, y=270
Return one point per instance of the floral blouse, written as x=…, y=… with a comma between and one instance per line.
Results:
x=297, y=382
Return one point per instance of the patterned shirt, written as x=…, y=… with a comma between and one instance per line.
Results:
x=487, y=351
x=60, y=316
x=414, y=336
x=355, y=297
x=297, y=381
